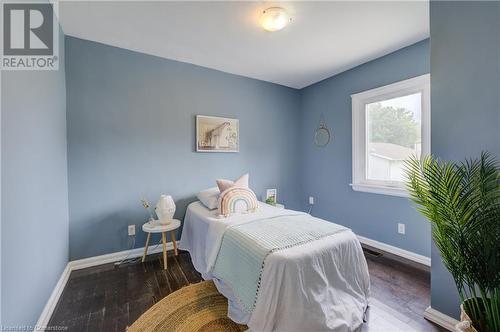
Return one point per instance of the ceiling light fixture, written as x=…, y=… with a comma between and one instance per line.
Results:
x=274, y=19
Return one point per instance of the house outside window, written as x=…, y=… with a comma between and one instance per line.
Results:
x=390, y=124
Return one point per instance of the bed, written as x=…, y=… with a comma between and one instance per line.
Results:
x=317, y=285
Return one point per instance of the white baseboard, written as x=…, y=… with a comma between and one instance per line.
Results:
x=44, y=318
x=396, y=251
x=116, y=256
x=440, y=319
x=48, y=310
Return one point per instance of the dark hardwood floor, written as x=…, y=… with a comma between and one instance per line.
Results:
x=403, y=286
x=108, y=298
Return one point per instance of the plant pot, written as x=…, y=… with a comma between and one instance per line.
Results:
x=465, y=324
x=467, y=321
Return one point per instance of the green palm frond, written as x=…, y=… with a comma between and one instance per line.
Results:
x=462, y=201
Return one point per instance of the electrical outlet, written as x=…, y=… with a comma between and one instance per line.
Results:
x=311, y=200
x=131, y=230
x=401, y=228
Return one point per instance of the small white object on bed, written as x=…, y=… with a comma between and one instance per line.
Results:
x=317, y=286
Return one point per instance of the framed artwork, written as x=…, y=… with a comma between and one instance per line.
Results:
x=215, y=134
x=271, y=196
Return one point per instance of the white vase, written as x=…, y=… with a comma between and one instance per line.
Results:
x=165, y=209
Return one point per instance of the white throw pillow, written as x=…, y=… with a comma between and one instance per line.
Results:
x=242, y=182
x=209, y=197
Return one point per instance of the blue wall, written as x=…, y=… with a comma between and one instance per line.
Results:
x=327, y=172
x=465, y=69
x=131, y=134
x=34, y=190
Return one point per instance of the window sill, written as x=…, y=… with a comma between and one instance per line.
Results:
x=383, y=190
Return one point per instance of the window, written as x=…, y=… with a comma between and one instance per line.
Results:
x=389, y=124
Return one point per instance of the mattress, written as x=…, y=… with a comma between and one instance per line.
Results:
x=318, y=286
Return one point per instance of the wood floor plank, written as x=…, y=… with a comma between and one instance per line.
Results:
x=187, y=268
x=96, y=320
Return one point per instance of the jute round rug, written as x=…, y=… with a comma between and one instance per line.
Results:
x=199, y=307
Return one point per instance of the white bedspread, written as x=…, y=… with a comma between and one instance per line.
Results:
x=319, y=286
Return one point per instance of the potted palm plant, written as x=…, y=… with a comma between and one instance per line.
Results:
x=462, y=201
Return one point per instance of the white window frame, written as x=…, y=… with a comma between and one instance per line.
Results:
x=359, y=139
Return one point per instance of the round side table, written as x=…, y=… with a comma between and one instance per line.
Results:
x=156, y=227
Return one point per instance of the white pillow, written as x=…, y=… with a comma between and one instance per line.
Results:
x=241, y=182
x=209, y=197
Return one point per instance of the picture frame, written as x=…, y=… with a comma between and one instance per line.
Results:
x=217, y=134
x=271, y=196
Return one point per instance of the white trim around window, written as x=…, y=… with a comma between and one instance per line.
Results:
x=360, y=182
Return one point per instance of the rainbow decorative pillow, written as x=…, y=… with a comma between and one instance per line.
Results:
x=237, y=200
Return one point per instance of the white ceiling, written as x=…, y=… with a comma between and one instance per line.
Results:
x=324, y=38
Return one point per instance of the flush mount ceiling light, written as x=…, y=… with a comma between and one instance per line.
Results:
x=274, y=19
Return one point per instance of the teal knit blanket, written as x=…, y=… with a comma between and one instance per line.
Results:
x=244, y=248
